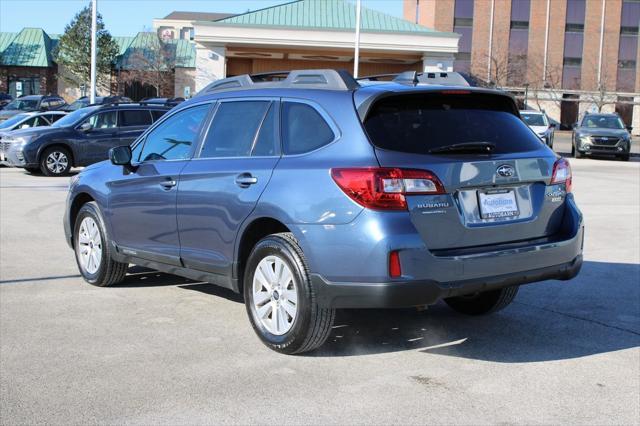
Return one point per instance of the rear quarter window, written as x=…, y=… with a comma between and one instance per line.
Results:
x=418, y=123
x=304, y=128
x=134, y=117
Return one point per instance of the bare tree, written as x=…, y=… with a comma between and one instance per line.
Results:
x=151, y=62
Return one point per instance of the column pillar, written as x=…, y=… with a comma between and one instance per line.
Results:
x=210, y=65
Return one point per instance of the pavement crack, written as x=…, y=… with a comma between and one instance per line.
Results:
x=580, y=318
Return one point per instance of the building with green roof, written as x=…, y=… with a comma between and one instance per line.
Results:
x=308, y=34
x=27, y=63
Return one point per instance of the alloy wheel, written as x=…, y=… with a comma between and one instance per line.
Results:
x=275, y=297
x=57, y=162
x=89, y=245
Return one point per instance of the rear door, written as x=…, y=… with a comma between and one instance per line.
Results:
x=221, y=186
x=131, y=124
x=492, y=197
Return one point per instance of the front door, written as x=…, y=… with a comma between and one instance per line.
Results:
x=219, y=189
x=142, y=203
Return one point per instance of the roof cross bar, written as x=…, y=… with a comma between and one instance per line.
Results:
x=307, y=79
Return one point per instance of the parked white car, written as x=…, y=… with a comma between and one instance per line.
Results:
x=24, y=121
x=539, y=123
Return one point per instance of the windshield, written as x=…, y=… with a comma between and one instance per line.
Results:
x=23, y=104
x=602, y=122
x=533, y=119
x=426, y=122
x=73, y=118
x=7, y=124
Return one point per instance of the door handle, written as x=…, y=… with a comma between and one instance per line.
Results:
x=244, y=180
x=168, y=184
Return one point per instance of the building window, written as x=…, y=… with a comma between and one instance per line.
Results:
x=463, y=25
x=573, y=44
x=628, y=48
x=518, y=42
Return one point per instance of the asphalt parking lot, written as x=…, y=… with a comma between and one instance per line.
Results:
x=161, y=349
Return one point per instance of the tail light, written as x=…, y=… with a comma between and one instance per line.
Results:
x=562, y=174
x=382, y=188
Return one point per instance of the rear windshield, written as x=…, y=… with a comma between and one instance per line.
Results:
x=533, y=119
x=419, y=123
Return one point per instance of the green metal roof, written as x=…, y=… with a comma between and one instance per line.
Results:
x=182, y=52
x=324, y=14
x=31, y=47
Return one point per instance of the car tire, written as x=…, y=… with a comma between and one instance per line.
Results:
x=93, y=249
x=483, y=303
x=280, y=299
x=624, y=157
x=575, y=153
x=55, y=161
x=32, y=170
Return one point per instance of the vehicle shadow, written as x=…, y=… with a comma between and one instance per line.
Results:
x=138, y=276
x=597, y=312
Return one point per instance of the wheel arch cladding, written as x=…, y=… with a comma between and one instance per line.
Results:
x=79, y=200
x=252, y=233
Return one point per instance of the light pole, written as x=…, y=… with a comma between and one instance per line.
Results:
x=356, y=59
x=526, y=94
x=94, y=14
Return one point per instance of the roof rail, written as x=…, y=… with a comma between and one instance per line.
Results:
x=428, y=77
x=328, y=79
x=377, y=77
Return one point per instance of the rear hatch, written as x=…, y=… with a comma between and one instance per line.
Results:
x=496, y=173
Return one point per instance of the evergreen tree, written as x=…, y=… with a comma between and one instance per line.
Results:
x=74, y=50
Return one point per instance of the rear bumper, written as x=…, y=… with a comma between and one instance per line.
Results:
x=402, y=294
x=429, y=277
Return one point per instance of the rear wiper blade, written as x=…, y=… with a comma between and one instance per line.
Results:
x=482, y=147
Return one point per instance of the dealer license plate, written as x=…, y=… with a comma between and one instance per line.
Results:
x=496, y=204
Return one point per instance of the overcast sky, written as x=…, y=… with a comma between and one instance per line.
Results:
x=127, y=17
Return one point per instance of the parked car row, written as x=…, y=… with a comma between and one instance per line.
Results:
x=80, y=138
x=594, y=134
x=31, y=136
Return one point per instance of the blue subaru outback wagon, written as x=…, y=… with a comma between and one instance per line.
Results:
x=318, y=192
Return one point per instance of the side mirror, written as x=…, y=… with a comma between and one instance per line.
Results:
x=553, y=125
x=85, y=127
x=120, y=155
x=574, y=125
x=629, y=128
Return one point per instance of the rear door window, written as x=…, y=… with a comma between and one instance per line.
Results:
x=157, y=114
x=304, y=128
x=419, y=123
x=234, y=130
x=134, y=117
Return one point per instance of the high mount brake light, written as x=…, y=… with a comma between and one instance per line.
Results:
x=562, y=174
x=381, y=188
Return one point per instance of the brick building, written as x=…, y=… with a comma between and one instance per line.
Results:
x=567, y=56
x=27, y=66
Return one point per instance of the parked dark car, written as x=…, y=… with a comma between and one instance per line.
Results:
x=31, y=103
x=5, y=98
x=318, y=192
x=81, y=138
x=84, y=102
x=599, y=133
